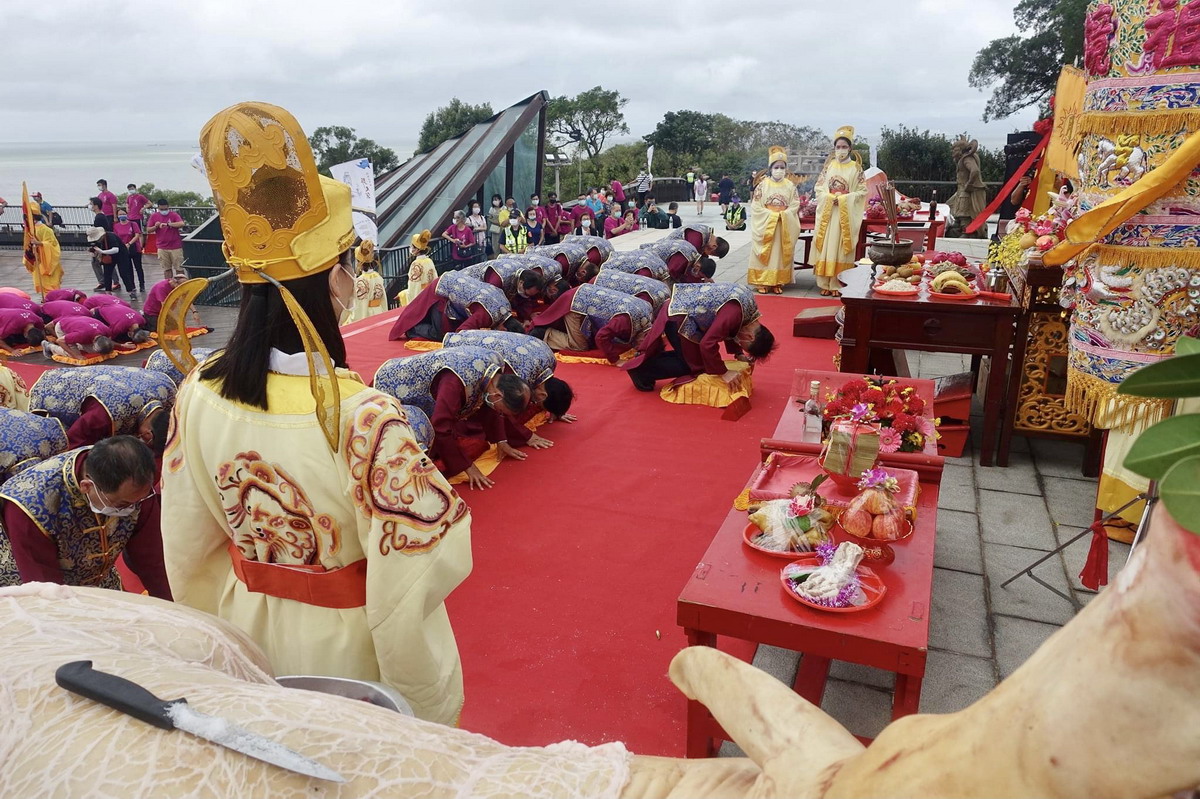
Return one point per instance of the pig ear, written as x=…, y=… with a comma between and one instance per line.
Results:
x=763, y=716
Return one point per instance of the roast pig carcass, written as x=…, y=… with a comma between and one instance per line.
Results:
x=1108, y=706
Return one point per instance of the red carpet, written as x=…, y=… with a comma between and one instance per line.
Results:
x=567, y=623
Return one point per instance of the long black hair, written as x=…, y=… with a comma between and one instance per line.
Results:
x=263, y=322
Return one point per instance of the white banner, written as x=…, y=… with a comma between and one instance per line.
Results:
x=359, y=176
x=650, y=160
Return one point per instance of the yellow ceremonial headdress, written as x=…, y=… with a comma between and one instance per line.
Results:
x=420, y=241
x=844, y=132
x=281, y=221
x=776, y=153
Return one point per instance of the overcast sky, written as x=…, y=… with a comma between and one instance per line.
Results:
x=137, y=71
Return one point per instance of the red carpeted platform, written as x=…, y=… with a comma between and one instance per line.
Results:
x=567, y=623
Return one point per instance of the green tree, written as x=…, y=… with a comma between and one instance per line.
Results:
x=906, y=153
x=338, y=144
x=1026, y=67
x=450, y=121
x=587, y=119
x=683, y=135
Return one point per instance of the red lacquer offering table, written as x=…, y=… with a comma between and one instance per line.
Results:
x=736, y=591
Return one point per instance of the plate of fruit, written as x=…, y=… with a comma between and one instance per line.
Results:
x=952, y=285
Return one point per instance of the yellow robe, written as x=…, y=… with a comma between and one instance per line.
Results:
x=269, y=482
x=368, y=296
x=421, y=272
x=837, y=227
x=48, y=274
x=774, y=228
x=13, y=391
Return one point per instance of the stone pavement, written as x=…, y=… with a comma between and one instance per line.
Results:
x=992, y=523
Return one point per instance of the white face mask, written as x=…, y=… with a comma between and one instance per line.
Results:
x=585, y=223
x=107, y=510
x=495, y=203
x=842, y=153
x=474, y=209
x=346, y=309
x=778, y=172
x=534, y=202
x=514, y=222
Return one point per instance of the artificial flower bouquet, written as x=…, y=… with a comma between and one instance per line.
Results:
x=896, y=410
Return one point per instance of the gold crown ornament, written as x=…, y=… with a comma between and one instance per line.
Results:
x=420, y=241
x=844, y=132
x=776, y=153
x=281, y=220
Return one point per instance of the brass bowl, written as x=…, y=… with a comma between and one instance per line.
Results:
x=890, y=253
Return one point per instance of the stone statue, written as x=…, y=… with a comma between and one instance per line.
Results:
x=971, y=198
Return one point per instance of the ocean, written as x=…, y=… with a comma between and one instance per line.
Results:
x=66, y=172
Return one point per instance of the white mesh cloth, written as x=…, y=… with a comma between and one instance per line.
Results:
x=53, y=743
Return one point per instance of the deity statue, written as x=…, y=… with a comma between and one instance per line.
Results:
x=971, y=198
x=774, y=226
x=841, y=194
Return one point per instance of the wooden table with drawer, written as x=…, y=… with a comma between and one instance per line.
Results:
x=975, y=327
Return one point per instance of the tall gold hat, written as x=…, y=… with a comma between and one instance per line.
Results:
x=844, y=132
x=281, y=221
x=776, y=153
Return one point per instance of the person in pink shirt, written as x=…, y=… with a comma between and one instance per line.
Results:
x=20, y=303
x=617, y=224
x=618, y=191
x=101, y=300
x=108, y=201
x=74, y=295
x=77, y=337
x=462, y=237
x=20, y=328
x=155, y=299
x=165, y=224
x=60, y=308
x=129, y=230
x=124, y=323
x=135, y=203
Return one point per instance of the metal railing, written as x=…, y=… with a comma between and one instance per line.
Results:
x=76, y=219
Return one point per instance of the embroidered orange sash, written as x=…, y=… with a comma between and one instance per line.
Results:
x=345, y=587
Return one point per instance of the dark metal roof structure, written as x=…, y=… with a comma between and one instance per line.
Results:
x=424, y=191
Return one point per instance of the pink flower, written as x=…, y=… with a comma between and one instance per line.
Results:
x=889, y=439
x=800, y=506
x=1044, y=227
x=925, y=427
x=1024, y=215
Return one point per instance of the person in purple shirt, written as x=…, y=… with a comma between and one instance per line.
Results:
x=124, y=323
x=20, y=328
x=76, y=337
x=165, y=224
x=108, y=201
x=129, y=230
x=135, y=203
x=20, y=303
x=101, y=300
x=155, y=299
x=74, y=295
x=462, y=237
x=60, y=308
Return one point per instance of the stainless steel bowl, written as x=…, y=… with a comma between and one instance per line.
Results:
x=362, y=690
x=890, y=253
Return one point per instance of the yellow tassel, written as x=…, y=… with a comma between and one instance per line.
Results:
x=1146, y=257
x=1146, y=123
x=822, y=227
x=1097, y=400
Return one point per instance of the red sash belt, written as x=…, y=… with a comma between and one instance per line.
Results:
x=345, y=587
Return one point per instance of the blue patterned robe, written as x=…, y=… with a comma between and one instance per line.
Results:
x=628, y=283
x=88, y=544
x=529, y=358
x=461, y=292
x=550, y=268
x=665, y=248
x=574, y=253
x=599, y=242
x=27, y=439
x=421, y=426
x=126, y=392
x=159, y=362
x=598, y=306
x=698, y=303
x=410, y=379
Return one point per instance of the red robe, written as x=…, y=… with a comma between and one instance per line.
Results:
x=36, y=555
x=703, y=357
x=415, y=312
x=618, y=328
x=450, y=430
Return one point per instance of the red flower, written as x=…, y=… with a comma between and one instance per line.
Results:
x=894, y=407
x=873, y=394
x=905, y=422
x=916, y=405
